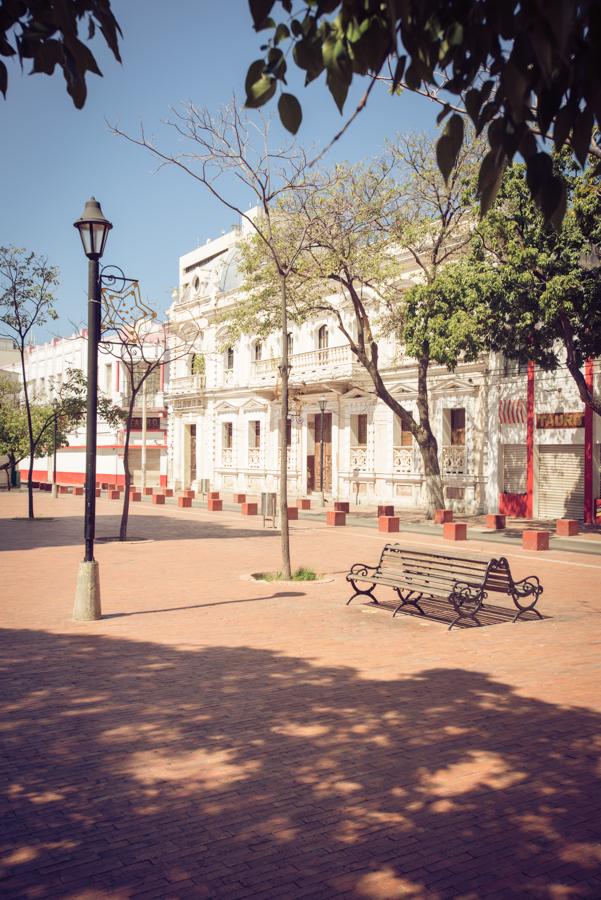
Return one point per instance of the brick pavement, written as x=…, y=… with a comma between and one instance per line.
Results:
x=215, y=737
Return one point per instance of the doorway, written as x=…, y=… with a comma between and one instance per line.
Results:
x=319, y=435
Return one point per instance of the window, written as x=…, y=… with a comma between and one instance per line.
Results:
x=514, y=367
x=406, y=437
x=458, y=427
x=229, y=359
x=322, y=338
x=290, y=340
x=254, y=433
x=108, y=377
x=257, y=351
x=228, y=435
x=359, y=429
x=197, y=364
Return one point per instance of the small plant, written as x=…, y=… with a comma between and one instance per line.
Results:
x=301, y=574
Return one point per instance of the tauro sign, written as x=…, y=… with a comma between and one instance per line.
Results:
x=560, y=420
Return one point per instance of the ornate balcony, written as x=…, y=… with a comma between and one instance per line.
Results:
x=227, y=457
x=254, y=457
x=186, y=386
x=316, y=365
x=359, y=458
x=403, y=461
x=454, y=460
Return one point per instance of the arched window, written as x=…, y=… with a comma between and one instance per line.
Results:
x=290, y=340
x=258, y=351
x=322, y=338
x=229, y=359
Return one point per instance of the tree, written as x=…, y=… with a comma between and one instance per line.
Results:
x=48, y=34
x=26, y=302
x=540, y=295
x=131, y=334
x=526, y=70
x=224, y=145
x=357, y=225
x=49, y=421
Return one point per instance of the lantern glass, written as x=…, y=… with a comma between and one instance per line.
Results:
x=93, y=229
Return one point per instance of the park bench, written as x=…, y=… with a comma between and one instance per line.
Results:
x=464, y=582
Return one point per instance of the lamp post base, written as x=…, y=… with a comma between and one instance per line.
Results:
x=87, y=593
x=54, y=490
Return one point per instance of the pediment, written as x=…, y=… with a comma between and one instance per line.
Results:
x=254, y=406
x=453, y=385
x=224, y=406
x=356, y=393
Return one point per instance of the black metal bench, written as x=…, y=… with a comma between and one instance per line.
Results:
x=465, y=582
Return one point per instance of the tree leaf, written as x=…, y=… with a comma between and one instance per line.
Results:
x=290, y=112
x=259, y=10
x=449, y=145
x=260, y=92
x=255, y=70
x=3, y=78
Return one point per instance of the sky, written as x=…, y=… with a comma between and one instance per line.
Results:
x=55, y=157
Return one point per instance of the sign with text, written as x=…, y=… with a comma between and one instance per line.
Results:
x=560, y=420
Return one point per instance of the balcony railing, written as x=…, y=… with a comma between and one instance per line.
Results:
x=331, y=362
x=153, y=401
x=454, y=460
x=403, y=461
x=254, y=457
x=227, y=457
x=189, y=384
x=359, y=458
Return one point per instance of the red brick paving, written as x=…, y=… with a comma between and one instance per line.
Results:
x=216, y=737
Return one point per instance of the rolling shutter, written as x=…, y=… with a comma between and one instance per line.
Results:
x=514, y=468
x=561, y=482
x=153, y=466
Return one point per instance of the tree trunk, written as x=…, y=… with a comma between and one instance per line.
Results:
x=284, y=373
x=427, y=442
x=30, y=436
x=125, y=512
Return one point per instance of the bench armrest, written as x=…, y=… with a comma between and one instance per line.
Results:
x=361, y=569
x=528, y=587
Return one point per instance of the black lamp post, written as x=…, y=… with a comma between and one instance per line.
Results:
x=93, y=229
x=322, y=407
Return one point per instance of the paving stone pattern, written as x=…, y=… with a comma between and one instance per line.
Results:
x=217, y=737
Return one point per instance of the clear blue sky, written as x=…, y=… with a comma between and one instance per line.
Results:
x=54, y=157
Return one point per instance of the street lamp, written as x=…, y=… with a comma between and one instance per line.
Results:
x=322, y=406
x=93, y=229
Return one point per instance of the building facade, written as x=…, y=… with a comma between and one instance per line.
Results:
x=46, y=368
x=510, y=439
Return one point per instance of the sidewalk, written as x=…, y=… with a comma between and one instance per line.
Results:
x=217, y=737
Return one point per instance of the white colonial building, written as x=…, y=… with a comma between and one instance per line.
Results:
x=46, y=367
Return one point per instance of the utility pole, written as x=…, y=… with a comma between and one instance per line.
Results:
x=143, y=455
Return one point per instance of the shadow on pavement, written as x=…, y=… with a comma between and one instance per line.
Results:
x=65, y=531
x=230, y=771
x=148, y=612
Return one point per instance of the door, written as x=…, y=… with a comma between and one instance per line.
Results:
x=561, y=482
x=192, y=453
x=321, y=428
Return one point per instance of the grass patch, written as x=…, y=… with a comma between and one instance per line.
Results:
x=301, y=574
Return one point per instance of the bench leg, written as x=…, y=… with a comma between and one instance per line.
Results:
x=359, y=592
x=407, y=599
x=522, y=590
x=467, y=603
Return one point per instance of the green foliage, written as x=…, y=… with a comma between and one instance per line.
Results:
x=47, y=34
x=517, y=74
x=26, y=298
x=68, y=406
x=540, y=294
x=300, y=574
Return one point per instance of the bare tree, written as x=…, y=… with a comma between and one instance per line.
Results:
x=225, y=150
x=132, y=335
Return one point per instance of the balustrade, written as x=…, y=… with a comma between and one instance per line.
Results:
x=403, y=461
x=453, y=460
x=254, y=457
x=359, y=458
x=227, y=457
x=189, y=384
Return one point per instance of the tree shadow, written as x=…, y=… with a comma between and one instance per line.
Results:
x=148, y=612
x=237, y=772
x=64, y=531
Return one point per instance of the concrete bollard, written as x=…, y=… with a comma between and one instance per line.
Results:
x=250, y=509
x=292, y=513
x=158, y=499
x=341, y=506
x=239, y=498
x=454, y=531
x=535, y=540
x=304, y=503
x=388, y=524
x=184, y=502
x=214, y=504
x=567, y=527
x=443, y=515
x=334, y=517
x=496, y=522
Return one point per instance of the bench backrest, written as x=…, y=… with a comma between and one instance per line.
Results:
x=432, y=568
x=420, y=565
